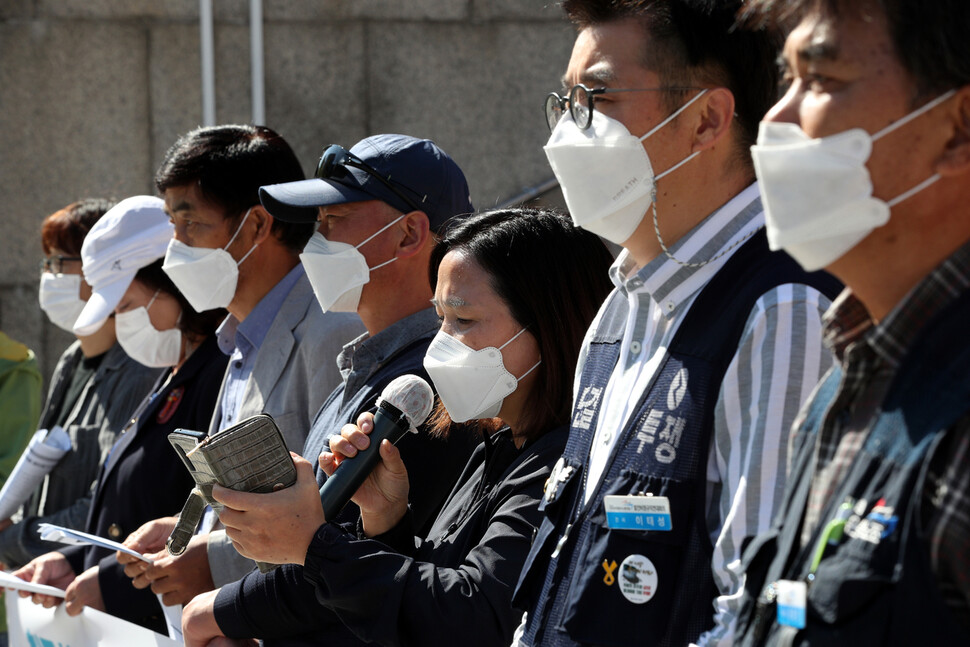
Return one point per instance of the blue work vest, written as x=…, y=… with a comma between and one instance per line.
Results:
x=573, y=582
x=873, y=583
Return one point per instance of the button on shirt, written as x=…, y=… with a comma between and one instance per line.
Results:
x=241, y=342
x=779, y=360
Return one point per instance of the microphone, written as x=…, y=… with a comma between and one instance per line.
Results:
x=403, y=405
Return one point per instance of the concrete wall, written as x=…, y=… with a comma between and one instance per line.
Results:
x=93, y=92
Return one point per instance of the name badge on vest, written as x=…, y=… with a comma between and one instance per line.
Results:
x=792, y=599
x=637, y=512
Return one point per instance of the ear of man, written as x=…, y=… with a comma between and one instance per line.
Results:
x=955, y=158
x=260, y=224
x=714, y=119
x=416, y=238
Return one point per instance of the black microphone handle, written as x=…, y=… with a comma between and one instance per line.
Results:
x=336, y=491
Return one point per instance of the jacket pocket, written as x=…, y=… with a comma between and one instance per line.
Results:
x=856, y=580
x=626, y=580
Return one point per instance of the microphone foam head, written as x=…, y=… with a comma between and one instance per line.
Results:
x=412, y=396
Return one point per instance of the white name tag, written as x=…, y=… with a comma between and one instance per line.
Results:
x=792, y=599
x=638, y=512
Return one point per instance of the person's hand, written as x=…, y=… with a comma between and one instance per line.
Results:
x=52, y=569
x=199, y=625
x=5, y=523
x=276, y=527
x=177, y=579
x=149, y=538
x=383, y=497
x=84, y=591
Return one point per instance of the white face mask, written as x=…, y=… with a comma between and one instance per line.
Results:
x=205, y=276
x=60, y=299
x=338, y=271
x=605, y=173
x=143, y=342
x=817, y=193
x=472, y=384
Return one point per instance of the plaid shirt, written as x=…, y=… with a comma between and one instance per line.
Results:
x=870, y=354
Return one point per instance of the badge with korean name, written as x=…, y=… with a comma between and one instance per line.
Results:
x=791, y=598
x=637, y=512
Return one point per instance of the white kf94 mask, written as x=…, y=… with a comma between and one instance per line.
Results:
x=206, y=276
x=60, y=299
x=338, y=271
x=471, y=383
x=605, y=173
x=143, y=342
x=817, y=193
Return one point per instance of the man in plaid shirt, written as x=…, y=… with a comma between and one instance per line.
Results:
x=874, y=543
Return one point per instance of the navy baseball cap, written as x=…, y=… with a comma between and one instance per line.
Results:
x=406, y=172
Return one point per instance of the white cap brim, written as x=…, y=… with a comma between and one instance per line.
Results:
x=100, y=306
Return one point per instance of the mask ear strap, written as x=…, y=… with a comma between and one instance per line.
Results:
x=241, y=222
x=676, y=166
x=899, y=123
x=519, y=379
x=514, y=337
x=380, y=265
x=251, y=250
x=152, y=300
x=379, y=232
x=916, y=189
x=674, y=116
x=664, y=123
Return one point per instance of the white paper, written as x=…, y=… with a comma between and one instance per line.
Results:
x=40, y=457
x=173, y=619
x=9, y=581
x=31, y=625
x=62, y=535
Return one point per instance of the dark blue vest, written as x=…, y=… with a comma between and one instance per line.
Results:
x=875, y=586
x=574, y=597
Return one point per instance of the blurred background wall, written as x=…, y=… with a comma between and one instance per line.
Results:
x=93, y=92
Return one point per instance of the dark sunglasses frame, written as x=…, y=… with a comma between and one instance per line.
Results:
x=335, y=160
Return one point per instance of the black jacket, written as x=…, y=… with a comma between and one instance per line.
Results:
x=399, y=590
x=143, y=479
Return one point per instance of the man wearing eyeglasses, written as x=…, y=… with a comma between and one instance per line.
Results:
x=698, y=362
x=378, y=206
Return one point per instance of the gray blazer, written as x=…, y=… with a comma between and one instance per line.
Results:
x=102, y=410
x=296, y=365
x=295, y=371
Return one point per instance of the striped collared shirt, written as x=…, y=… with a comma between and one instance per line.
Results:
x=778, y=361
x=870, y=354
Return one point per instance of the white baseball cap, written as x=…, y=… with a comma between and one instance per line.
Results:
x=132, y=234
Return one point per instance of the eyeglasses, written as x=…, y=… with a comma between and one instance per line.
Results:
x=55, y=263
x=335, y=160
x=580, y=100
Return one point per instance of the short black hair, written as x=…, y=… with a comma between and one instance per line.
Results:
x=553, y=276
x=696, y=43
x=195, y=325
x=931, y=39
x=229, y=163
